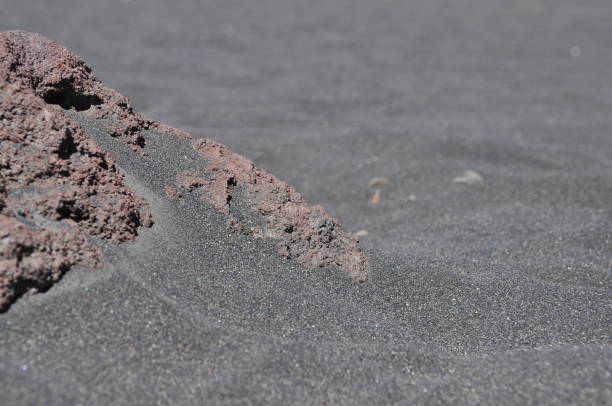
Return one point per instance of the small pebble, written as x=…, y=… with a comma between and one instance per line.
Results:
x=360, y=233
x=470, y=177
x=376, y=197
x=378, y=182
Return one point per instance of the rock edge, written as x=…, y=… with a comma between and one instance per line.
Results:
x=53, y=176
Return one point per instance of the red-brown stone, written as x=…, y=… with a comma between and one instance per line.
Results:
x=50, y=169
x=308, y=233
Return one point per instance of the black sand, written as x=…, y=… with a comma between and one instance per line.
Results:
x=497, y=292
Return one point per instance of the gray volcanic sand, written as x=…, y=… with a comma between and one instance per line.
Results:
x=496, y=292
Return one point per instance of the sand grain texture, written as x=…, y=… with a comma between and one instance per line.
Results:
x=487, y=292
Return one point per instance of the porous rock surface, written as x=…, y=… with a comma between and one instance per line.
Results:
x=58, y=187
x=234, y=185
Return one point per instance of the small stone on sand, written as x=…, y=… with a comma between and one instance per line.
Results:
x=375, y=197
x=470, y=177
x=360, y=233
x=378, y=182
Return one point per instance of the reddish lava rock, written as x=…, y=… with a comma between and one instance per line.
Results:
x=35, y=259
x=58, y=187
x=50, y=170
x=59, y=77
x=172, y=193
x=260, y=204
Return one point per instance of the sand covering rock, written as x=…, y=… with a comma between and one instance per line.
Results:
x=58, y=187
x=274, y=209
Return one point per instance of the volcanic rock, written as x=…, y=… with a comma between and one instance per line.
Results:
x=57, y=186
x=60, y=191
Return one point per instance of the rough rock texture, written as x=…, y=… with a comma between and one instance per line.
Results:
x=258, y=203
x=51, y=174
x=32, y=260
x=59, y=77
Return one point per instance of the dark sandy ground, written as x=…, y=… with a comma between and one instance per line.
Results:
x=496, y=292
